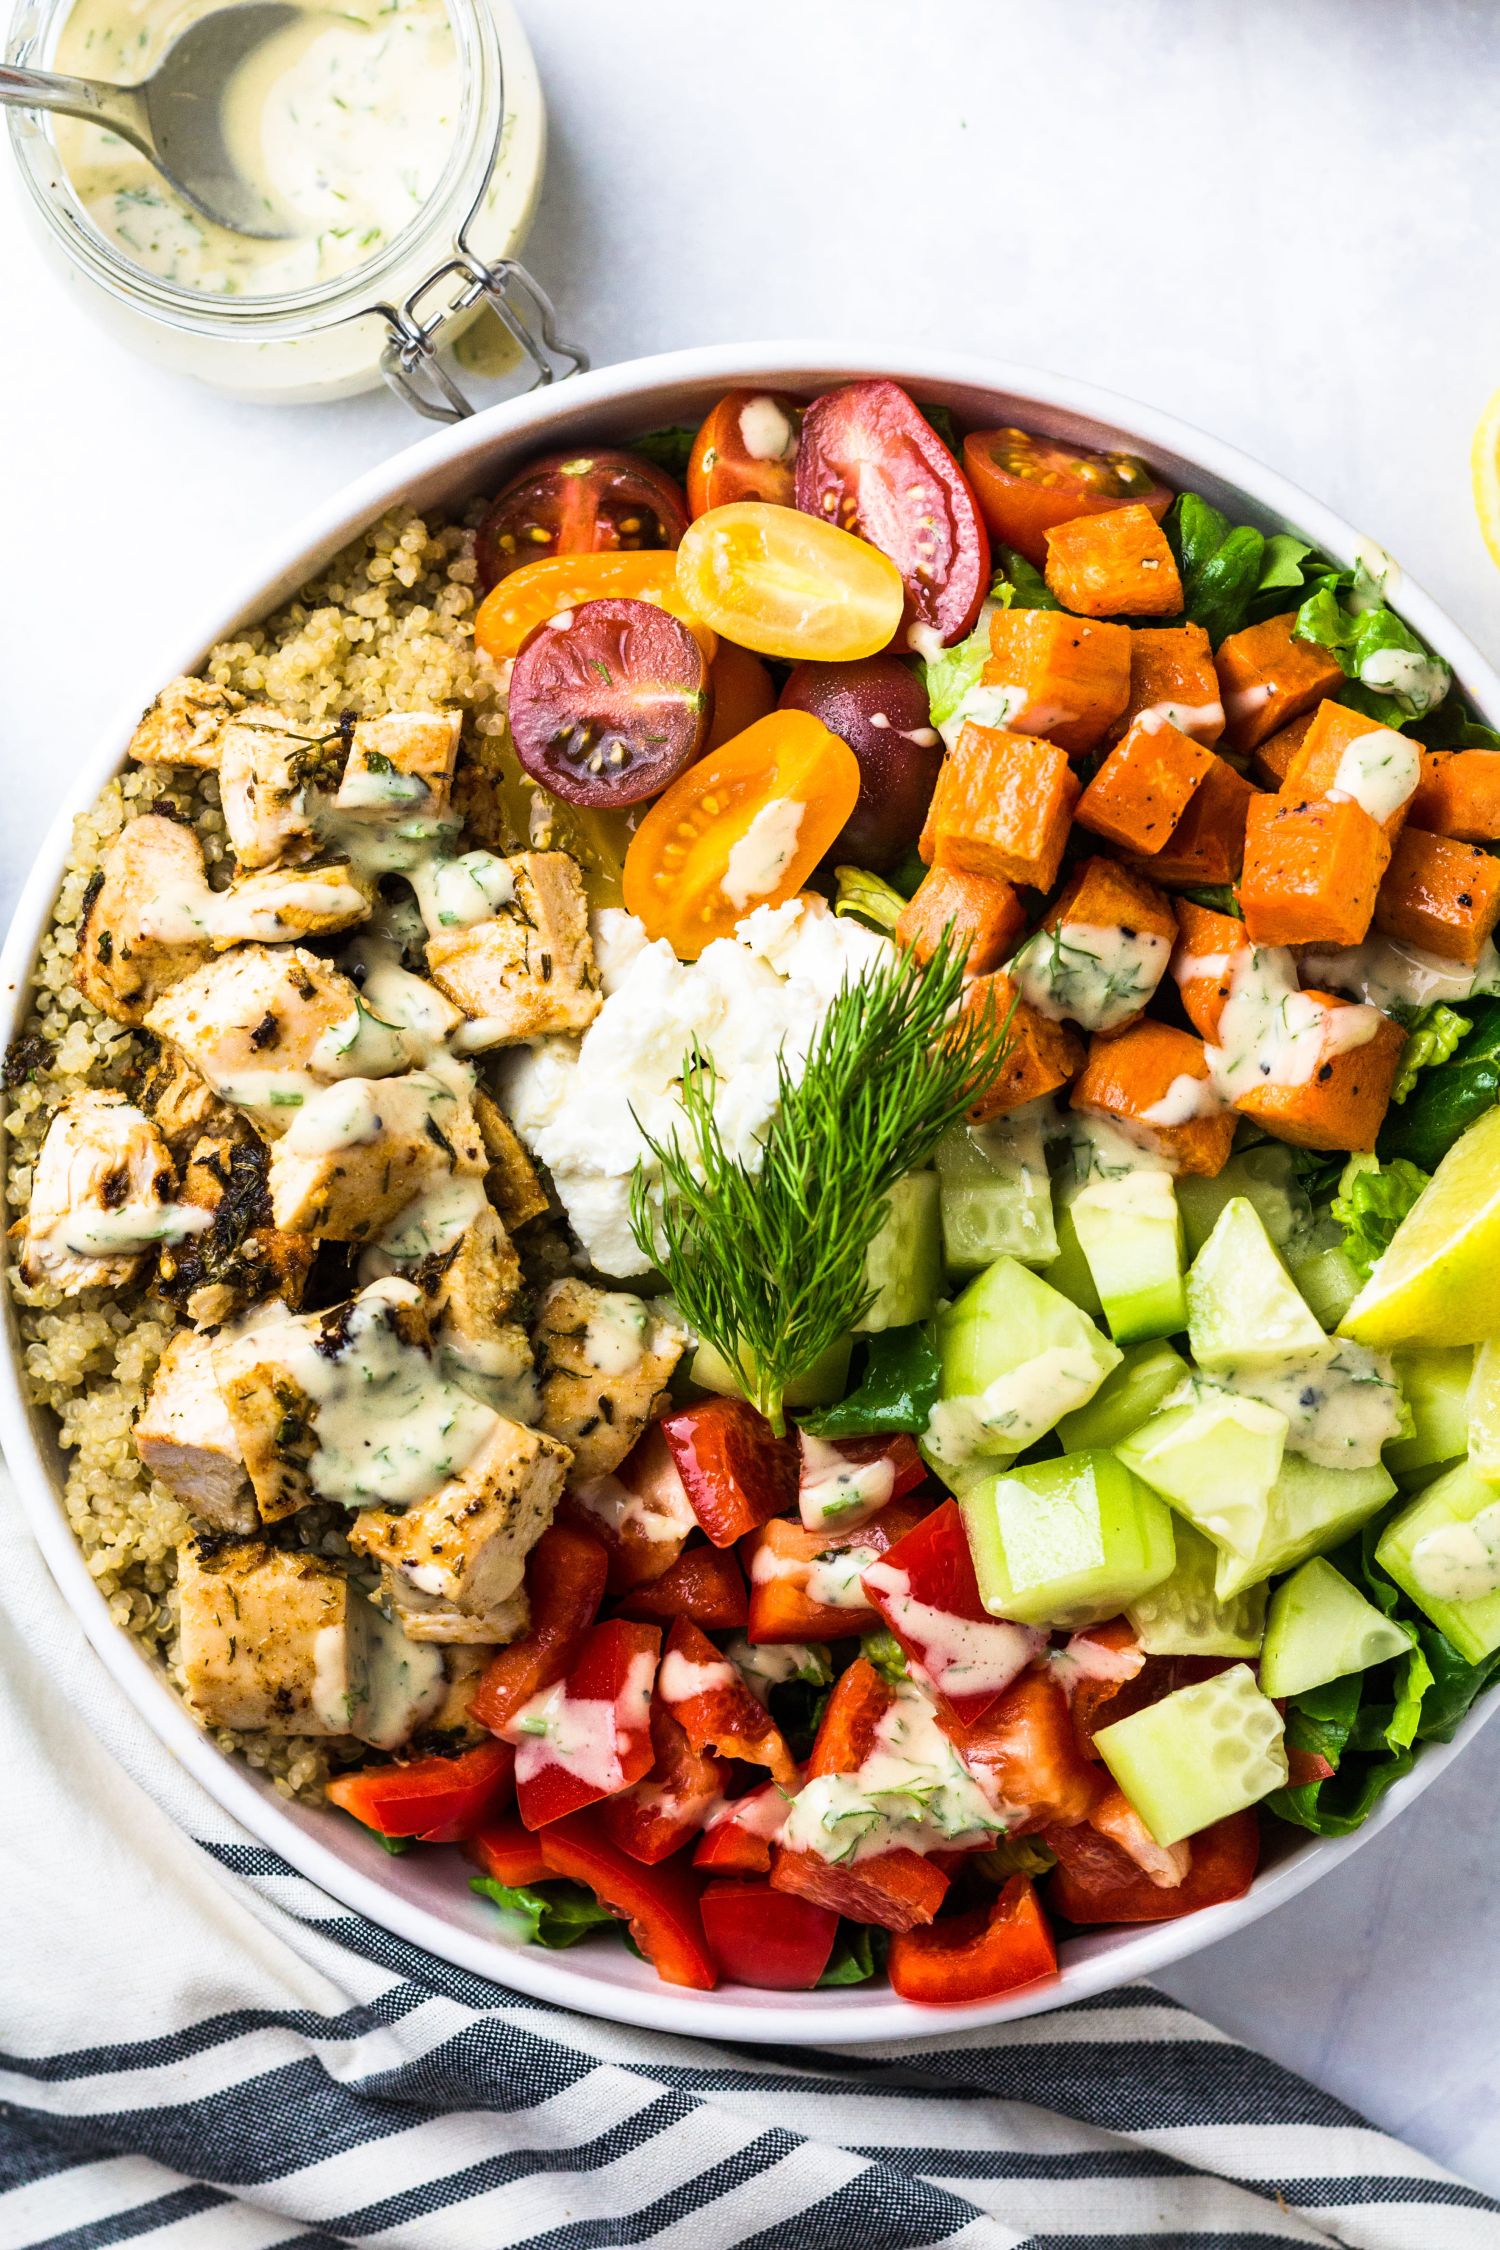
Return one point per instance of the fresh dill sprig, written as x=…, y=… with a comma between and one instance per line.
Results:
x=768, y=1264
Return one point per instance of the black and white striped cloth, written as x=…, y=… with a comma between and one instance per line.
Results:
x=200, y=2051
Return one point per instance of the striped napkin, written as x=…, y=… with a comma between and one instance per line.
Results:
x=201, y=2051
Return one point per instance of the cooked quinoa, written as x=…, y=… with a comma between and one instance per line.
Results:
x=388, y=625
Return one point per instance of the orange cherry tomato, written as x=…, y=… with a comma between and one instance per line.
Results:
x=744, y=827
x=746, y=450
x=744, y=691
x=527, y=597
x=787, y=584
x=1026, y=484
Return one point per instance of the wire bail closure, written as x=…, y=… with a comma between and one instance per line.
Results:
x=411, y=363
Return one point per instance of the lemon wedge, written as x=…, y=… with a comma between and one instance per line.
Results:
x=1486, y=469
x=1439, y=1282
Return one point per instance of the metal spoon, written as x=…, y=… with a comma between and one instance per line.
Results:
x=176, y=116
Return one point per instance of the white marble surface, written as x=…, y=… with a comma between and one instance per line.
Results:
x=1277, y=220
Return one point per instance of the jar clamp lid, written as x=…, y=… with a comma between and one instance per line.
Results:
x=410, y=362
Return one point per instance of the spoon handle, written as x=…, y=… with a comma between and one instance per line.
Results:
x=120, y=109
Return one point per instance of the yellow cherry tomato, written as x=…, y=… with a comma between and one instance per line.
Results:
x=527, y=597
x=744, y=827
x=787, y=584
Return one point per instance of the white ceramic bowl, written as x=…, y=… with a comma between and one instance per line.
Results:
x=424, y=1896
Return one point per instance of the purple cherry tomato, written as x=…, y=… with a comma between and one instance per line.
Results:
x=609, y=701
x=879, y=707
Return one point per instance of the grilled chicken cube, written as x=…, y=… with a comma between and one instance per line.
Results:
x=242, y=1257
x=181, y=1105
x=360, y=1151
x=401, y=764
x=183, y=725
x=466, y=1544
x=604, y=1359
x=184, y=1436
x=277, y=1641
x=426, y=1617
x=252, y=1025
x=471, y=1288
x=142, y=928
x=528, y=969
x=101, y=1196
x=513, y=1182
x=269, y=769
x=277, y=905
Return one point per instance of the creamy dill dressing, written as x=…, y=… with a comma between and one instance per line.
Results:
x=1015, y=1409
x=832, y=1489
x=1379, y=771
x=960, y=1655
x=1383, y=970
x=1098, y=977
x=1460, y=1562
x=344, y=124
x=1342, y=1404
x=761, y=857
x=912, y=1791
x=1273, y=1034
x=1203, y=721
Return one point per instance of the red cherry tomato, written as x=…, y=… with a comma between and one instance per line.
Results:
x=609, y=702
x=879, y=707
x=578, y=504
x=764, y=1938
x=977, y=1955
x=743, y=692
x=746, y=450
x=442, y=1800
x=1026, y=484
x=870, y=463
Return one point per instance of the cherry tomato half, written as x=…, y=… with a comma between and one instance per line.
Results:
x=871, y=463
x=744, y=827
x=608, y=702
x=786, y=585
x=539, y=590
x=743, y=692
x=879, y=707
x=1027, y=484
x=746, y=450
x=578, y=504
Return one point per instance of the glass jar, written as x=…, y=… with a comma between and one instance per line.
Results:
x=392, y=318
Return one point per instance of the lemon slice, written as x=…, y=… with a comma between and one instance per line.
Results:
x=1486, y=468
x=1439, y=1282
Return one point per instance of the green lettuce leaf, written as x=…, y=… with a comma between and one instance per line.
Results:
x=858, y=1954
x=1283, y=565
x=1219, y=898
x=884, y=1651
x=897, y=1391
x=1394, y=678
x=1431, y=1037
x=1019, y=584
x=1372, y=1200
x=549, y=1914
x=868, y=897
x=670, y=449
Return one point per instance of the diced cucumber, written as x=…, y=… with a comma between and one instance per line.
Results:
x=1198, y=1755
x=904, y=1264
x=1484, y=1414
x=996, y=1194
x=1326, y=1279
x=1419, y=1550
x=1127, y=1397
x=1308, y=1508
x=1216, y=1457
x=1320, y=1628
x=1066, y=1542
x=1069, y=1271
x=1435, y=1386
x=819, y=1385
x=1016, y=1356
x=1183, y=1617
x=1265, y=1176
x=1131, y=1235
x=1243, y=1305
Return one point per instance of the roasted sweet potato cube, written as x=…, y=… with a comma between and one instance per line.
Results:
x=1100, y=894
x=1267, y=677
x=1002, y=806
x=1114, y=565
x=1270, y=760
x=1204, y=963
x=1459, y=795
x=1102, y=898
x=1043, y=1055
x=1439, y=894
x=1344, y=754
x=1065, y=677
x=1143, y=788
x=982, y=912
x=1208, y=843
x=1342, y=1105
x=1312, y=869
x=1172, y=683
x=1153, y=1080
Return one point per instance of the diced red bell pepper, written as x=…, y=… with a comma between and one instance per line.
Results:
x=925, y=1589
x=1094, y=1881
x=767, y=1938
x=706, y=1584
x=1165, y=1865
x=440, y=1800
x=978, y=1955
x=659, y=1903
x=666, y=1810
x=1026, y=1757
x=508, y=1852
x=565, y=1575
x=738, y=1473
x=738, y=1840
x=1099, y=1702
x=843, y=1482
x=792, y=1572
x=716, y=1709
x=895, y=1890
x=641, y=1513
x=851, y=1717
x=588, y=1736
x=1304, y=1767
